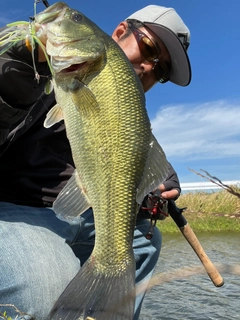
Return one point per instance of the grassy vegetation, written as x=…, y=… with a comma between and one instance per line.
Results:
x=216, y=211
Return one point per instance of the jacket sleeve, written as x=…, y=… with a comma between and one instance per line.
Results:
x=172, y=181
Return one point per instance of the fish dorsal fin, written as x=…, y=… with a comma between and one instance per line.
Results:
x=53, y=116
x=71, y=201
x=155, y=172
x=83, y=98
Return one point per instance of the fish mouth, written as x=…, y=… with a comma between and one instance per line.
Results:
x=65, y=66
x=73, y=68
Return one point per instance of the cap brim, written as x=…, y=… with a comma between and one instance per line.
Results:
x=181, y=69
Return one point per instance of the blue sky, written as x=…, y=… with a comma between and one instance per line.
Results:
x=198, y=126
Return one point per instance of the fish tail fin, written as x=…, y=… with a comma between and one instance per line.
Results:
x=97, y=295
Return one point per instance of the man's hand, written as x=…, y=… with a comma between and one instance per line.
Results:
x=168, y=194
x=170, y=188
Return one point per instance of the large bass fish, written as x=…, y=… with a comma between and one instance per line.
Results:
x=117, y=159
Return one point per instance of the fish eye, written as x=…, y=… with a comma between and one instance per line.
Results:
x=77, y=17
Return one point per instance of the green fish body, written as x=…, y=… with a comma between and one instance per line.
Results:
x=102, y=102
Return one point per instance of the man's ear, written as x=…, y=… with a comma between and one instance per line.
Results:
x=120, y=31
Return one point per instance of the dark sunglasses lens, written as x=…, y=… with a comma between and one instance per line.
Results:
x=148, y=49
x=150, y=53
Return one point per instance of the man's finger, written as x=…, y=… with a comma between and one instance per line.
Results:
x=172, y=194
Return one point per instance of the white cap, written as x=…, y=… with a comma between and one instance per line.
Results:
x=169, y=27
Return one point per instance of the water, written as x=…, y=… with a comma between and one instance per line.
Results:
x=196, y=297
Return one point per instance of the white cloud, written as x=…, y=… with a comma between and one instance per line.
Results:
x=199, y=131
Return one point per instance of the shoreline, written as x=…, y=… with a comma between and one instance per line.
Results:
x=203, y=222
x=205, y=212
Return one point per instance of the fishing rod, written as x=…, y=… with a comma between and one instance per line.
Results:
x=158, y=212
x=192, y=239
x=45, y=2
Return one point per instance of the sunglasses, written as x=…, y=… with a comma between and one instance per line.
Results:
x=150, y=52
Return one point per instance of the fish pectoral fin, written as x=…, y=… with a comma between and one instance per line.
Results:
x=71, y=201
x=155, y=172
x=53, y=116
x=83, y=98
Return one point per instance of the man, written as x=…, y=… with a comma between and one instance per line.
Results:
x=39, y=253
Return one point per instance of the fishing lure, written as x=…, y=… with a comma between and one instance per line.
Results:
x=24, y=31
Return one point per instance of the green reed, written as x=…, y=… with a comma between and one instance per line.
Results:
x=213, y=211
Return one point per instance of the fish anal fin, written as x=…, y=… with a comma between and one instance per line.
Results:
x=71, y=201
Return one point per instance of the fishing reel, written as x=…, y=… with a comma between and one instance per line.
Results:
x=157, y=208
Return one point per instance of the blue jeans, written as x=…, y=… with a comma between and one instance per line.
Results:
x=40, y=254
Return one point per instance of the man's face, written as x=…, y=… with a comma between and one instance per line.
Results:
x=129, y=45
